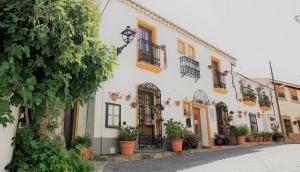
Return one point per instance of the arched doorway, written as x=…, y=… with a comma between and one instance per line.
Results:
x=222, y=118
x=149, y=116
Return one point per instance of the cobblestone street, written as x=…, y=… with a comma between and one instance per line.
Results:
x=261, y=158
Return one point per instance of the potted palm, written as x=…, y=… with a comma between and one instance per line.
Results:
x=85, y=144
x=175, y=132
x=126, y=137
x=240, y=132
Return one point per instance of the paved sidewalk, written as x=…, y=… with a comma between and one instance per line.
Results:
x=260, y=158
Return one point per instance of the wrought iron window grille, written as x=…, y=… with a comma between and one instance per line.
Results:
x=189, y=67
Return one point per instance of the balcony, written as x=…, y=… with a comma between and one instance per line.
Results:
x=148, y=56
x=249, y=96
x=264, y=102
x=294, y=98
x=189, y=67
x=219, y=82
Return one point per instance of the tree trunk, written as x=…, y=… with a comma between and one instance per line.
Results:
x=50, y=127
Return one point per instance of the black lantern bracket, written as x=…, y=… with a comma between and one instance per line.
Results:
x=127, y=35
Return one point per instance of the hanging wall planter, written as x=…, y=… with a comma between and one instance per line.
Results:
x=226, y=72
x=168, y=101
x=258, y=115
x=210, y=67
x=127, y=98
x=177, y=102
x=133, y=104
x=114, y=96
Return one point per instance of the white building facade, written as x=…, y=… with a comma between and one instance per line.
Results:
x=165, y=72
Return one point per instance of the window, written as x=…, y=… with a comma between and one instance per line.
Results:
x=293, y=93
x=181, y=46
x=187, y=108
x=253, y=122
x=280, y=91
x=113, y=115
x=191, y=51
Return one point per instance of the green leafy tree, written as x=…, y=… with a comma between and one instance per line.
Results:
x=50, y=58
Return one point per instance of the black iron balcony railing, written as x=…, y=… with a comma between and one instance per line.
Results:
x=248, y=94
x=219, y=80
x=295, y=98
x=282, y=95
x=264, y=100
x=189, y=67
x=149, y=52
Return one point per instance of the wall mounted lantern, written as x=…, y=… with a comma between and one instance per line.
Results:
x=127, y=35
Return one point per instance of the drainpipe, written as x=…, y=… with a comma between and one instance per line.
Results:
x=278, y=107
x=232, y=80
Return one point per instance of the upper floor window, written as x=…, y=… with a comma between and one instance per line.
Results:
x=148, y=50
x=293, y=93
x=280, y=91
x=181, y=46
x=218, y=77
x=191, y=51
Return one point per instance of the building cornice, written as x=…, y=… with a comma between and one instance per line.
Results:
x=142, y=9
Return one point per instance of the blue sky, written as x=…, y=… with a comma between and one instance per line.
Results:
x=253, y=31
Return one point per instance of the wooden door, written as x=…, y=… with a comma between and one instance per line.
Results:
x=197, y=120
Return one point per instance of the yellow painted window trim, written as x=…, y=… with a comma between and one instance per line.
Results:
x=221, y=90
x=148, y=67
x=218, y=90
x=265, y=108
x=179, y=41
x=193, y=51
x=189, y=103
x=141, y=64
x=249, y=103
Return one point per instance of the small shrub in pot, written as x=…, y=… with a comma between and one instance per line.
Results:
x=175, y=132
x=126, y=137
x=240, y=132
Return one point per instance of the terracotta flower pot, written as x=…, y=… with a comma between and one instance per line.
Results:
x=86, y=152
x=269, y=139
x=250, y=139
x=176, y=145
x=260, y=139
x=114, y=96
x=127, y=147
x=240, y=140
x=264, y=139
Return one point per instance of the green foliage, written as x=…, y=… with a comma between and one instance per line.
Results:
x=175, y=129
x=44, y=155
x=50, y=53
x=84, y=141
x=191, y=140
x=127, y=133
x=5, y=113
x=241, y=130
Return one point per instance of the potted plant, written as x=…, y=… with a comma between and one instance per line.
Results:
x=133, y=104
x=264, y=136
x=114, y=96
x=85, y=144
x=250, y=138
x=126, y=137
x=175, y=132
x=259, y=137
x=240, y=132
x=191, y=140
x=177, y=102
x=218, y=139
x=277, y=136
x=269, y=136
